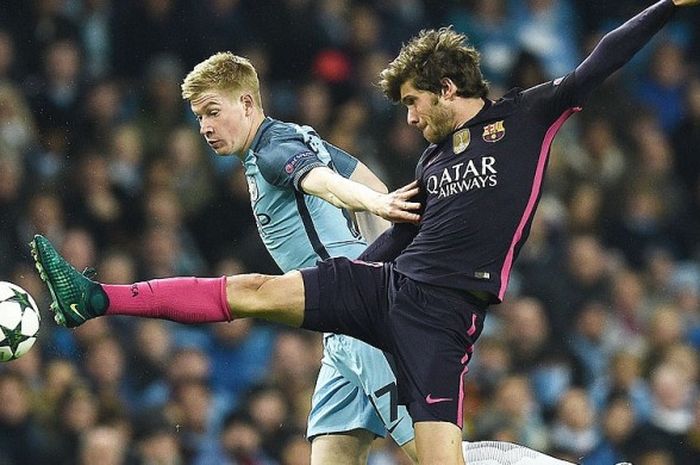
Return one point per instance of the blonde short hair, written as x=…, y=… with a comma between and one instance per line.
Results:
x=222, y=71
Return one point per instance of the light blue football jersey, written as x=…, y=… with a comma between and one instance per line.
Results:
x=298, y=229
x=356, y=386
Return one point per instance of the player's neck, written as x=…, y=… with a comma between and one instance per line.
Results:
x=256, y=121
x=466, y=109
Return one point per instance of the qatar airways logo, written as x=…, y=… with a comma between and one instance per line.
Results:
x=463, y=177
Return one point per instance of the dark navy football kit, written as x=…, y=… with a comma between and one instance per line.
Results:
x=421, y=292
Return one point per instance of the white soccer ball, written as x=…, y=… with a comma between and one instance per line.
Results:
x=19, y=321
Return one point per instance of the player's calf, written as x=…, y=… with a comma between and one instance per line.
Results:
x=76, y=298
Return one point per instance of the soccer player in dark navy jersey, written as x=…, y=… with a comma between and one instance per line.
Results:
x=481, y=182
x=420, y=291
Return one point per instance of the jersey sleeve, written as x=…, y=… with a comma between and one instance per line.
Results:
x=617, y=47
x=549, y=100
x=390, y=243
x=341, y=161
x=287, y=162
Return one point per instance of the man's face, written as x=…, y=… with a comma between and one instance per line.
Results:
x=427, y=112
x=224, y=121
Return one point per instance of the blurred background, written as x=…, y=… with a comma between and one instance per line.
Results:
x=594, y=355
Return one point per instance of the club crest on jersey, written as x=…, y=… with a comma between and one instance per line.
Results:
x=252, y=188
x=494, y=132
x=460, y=141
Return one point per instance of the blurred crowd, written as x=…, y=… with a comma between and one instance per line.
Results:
x=594, y=354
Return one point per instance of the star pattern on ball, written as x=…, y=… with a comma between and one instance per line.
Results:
x=12, y=338
x=22, y=298
x=19, y=322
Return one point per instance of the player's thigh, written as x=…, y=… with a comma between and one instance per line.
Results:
x=348, y=448
x=431, y=372
x=339, y=405
x=410, y=450
x=439, y=443
x=348, y=297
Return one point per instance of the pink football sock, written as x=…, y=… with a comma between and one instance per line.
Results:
x=185, y=300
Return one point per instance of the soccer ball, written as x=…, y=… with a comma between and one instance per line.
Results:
x=19, y=321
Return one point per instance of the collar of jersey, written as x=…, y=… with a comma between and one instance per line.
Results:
x=493, y=110
x=267, y=122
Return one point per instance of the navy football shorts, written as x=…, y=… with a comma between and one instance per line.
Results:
x=429, y=330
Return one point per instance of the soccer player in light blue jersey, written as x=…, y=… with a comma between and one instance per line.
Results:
x=303, y=192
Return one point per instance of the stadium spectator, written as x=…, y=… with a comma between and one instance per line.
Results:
x=491, y=28
x=618, y=424
x=104, y=444
x=664, y=86
x=239, y=443
x=513, y=415
x=624, y=379
x=22, y=440
x=573, y=431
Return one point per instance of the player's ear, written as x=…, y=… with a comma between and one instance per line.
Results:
x=248, y=103
x=448, y=89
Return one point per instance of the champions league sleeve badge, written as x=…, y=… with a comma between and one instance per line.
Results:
x=460, y=141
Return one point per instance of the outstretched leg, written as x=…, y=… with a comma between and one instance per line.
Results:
x=190, y=300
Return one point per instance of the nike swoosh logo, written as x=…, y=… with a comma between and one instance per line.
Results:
x=74, y=309
x=434, y=400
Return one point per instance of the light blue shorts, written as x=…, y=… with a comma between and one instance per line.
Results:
x=356, y=389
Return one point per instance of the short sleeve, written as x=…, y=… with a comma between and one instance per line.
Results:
x=343, y=163
x=287, y=162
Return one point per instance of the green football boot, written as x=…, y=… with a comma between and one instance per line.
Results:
x=75, y=297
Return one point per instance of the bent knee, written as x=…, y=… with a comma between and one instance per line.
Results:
x=244, y=291
x=347, y=448
x=249, y=282
x=256, y=295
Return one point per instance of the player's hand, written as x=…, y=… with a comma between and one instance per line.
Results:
x=686, y=2
x=397, y=207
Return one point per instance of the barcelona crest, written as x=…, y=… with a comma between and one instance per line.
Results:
x=494, y=132
x=460, y=141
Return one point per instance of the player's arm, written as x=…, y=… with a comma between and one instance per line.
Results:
x=371, y=225
x=394, y=240
x=345, y=193
x=619, y=46
x=317, y=168
x=390, y=243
